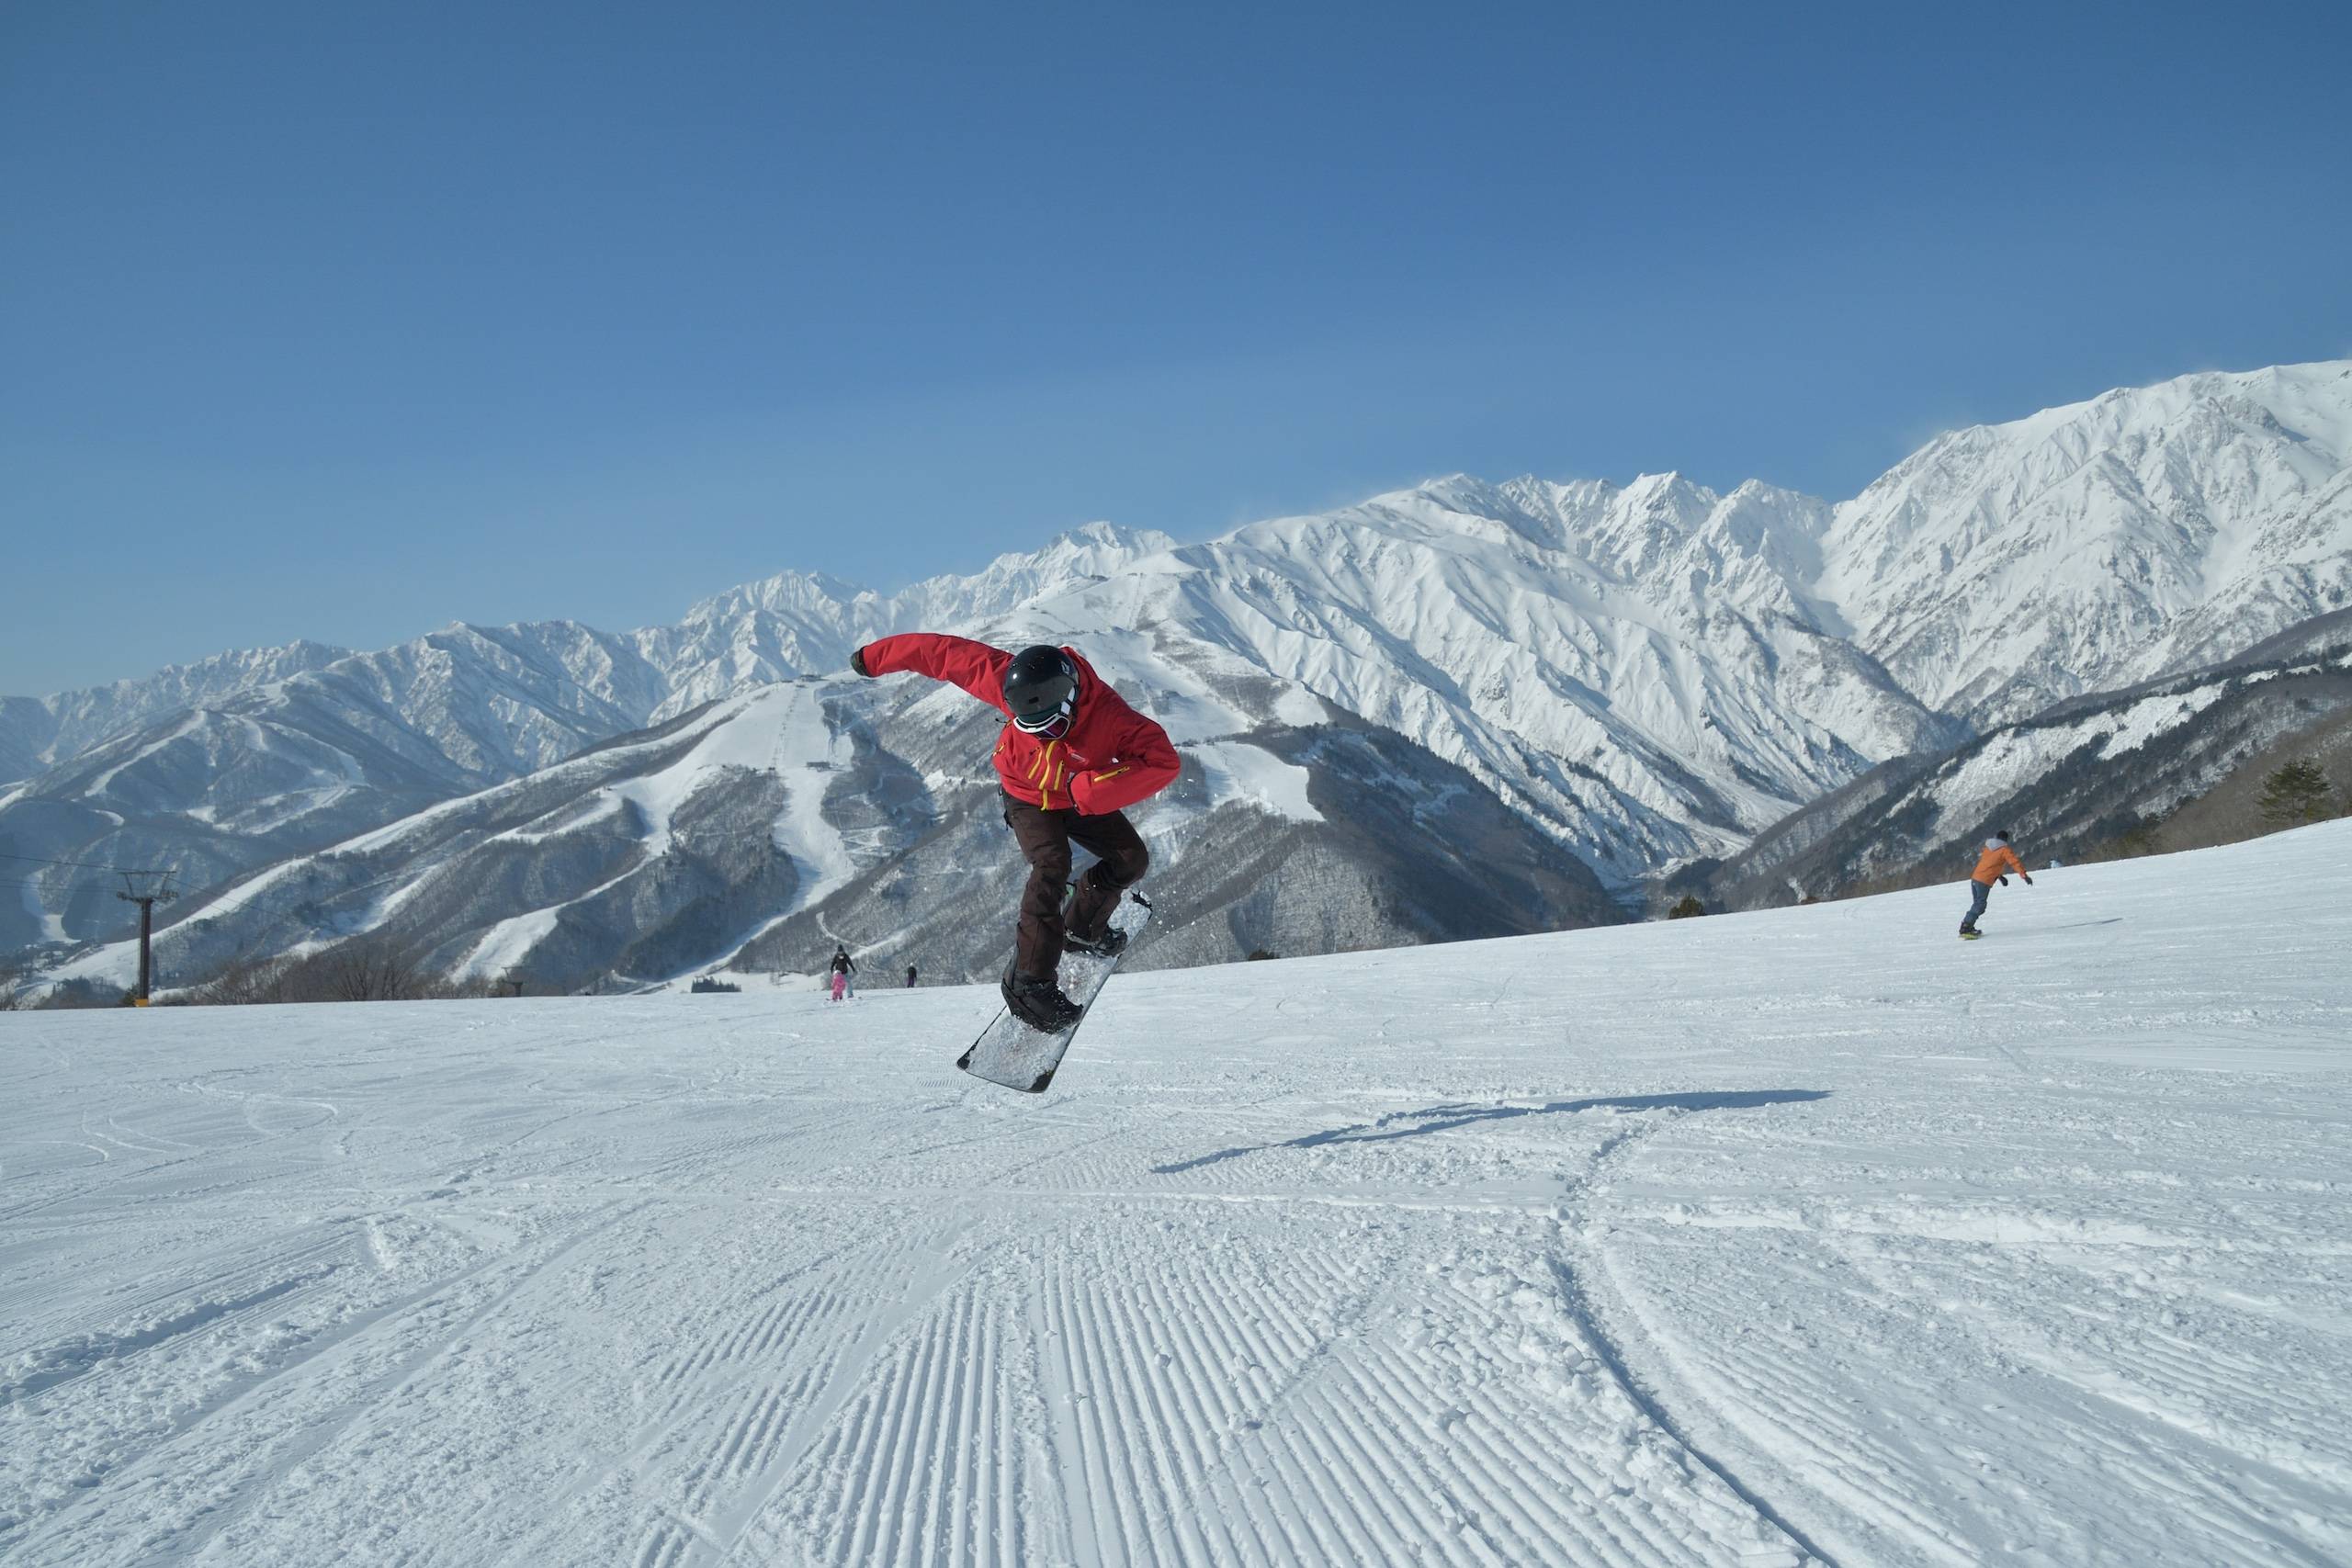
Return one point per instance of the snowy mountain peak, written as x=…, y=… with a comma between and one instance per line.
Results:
x=1625, y=529
x=2003, y=567
x=1667, y=489
x=36, y=732
x=800, y=623
x=1091, y=549
x=1128, y=541
x=1464, y=493
x=788, y=593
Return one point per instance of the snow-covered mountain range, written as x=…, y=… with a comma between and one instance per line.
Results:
x=219, y=768
x=2149, y=760
x=2145, y=531
x=1614, y=680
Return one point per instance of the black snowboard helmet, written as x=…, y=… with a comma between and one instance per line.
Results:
x=1041, y=690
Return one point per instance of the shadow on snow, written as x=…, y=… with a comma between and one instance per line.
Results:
x=1446, y=1118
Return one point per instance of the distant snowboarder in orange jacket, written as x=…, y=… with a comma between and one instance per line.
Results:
x=1071, y=756
x=1992, y=867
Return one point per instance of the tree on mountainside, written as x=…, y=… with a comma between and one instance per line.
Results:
x=1689, y=906
x=2139, y=839
x=2296, y=793
x=369, y=970
x=80, y=993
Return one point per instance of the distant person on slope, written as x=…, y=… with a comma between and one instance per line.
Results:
x=1071, y=757
x=843, y=967
x=910, y=977
x=1991, y=866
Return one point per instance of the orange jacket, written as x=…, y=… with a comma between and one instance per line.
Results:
x=1112, y=758
x=1997, y=858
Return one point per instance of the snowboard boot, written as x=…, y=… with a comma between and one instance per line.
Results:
x=1112, y=943
x=1039, y=1003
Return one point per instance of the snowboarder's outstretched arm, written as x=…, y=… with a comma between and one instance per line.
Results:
x=1998, y=860
x=1145, y=764
x=1123, y=756
x=960, y=661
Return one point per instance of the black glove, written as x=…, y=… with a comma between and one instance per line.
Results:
x=857, y=661
x=2005, y=882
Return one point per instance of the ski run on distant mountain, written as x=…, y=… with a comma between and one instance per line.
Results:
x=1465, y=709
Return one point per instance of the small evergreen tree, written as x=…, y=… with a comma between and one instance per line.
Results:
x=82, y=993
x=1689, y=906
x=2138, y=839
x=2295, y=793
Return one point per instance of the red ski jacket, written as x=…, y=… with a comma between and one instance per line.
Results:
x=1111, y=757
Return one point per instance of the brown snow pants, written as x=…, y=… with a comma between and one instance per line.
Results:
x=1044, y=838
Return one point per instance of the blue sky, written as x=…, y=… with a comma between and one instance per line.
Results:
x=343, y=321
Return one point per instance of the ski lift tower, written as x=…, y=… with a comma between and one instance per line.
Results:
x=146, y=889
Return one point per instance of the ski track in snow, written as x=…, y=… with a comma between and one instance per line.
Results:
x=1812, y=1236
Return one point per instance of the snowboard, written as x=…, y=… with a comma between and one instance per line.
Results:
x=1012, y=1054
x=1970, y=936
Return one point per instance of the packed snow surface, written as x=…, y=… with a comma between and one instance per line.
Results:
x=1808, y=1236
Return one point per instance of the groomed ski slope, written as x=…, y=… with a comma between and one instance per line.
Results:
x=1816, y=1235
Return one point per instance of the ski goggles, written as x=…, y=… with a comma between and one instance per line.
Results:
x=1049, y=726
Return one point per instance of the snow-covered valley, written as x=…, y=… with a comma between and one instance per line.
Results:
x=1806, y=1235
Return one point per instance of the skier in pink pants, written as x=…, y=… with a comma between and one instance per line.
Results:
x=843, y=965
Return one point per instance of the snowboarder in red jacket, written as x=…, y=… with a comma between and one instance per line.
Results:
x=1072, y=755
